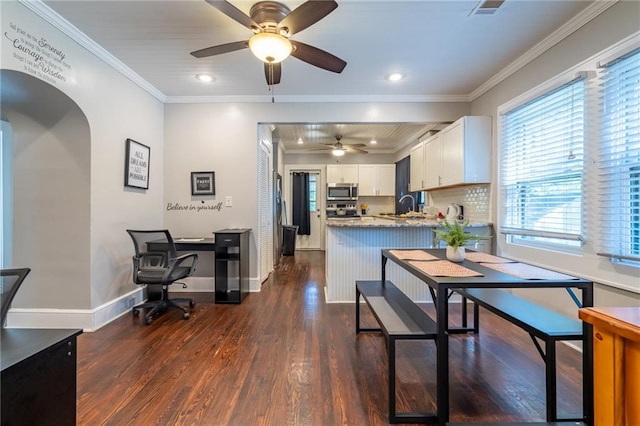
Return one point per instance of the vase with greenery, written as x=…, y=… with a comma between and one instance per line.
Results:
x=455, y=237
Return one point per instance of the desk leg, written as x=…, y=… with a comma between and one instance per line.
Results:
x=587, y=360
x=442, y=357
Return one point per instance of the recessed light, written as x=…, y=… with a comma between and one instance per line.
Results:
x=300, y=141
x=395, y=76
x=205, y=78
x=373, y=142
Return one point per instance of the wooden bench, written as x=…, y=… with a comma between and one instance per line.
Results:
x=540, y=322
x=399, y=318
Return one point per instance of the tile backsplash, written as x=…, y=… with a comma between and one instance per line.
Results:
x=474, y=199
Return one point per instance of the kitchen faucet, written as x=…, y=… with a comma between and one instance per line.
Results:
x=413, y=201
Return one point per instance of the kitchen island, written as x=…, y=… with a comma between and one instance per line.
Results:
x=353, y=252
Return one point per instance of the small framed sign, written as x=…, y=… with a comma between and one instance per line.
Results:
x=203, y=183
x=136, y=166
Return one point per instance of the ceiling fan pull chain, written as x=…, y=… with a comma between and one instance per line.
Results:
x=271, y=89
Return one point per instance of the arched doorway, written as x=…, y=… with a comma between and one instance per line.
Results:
x=51, y=192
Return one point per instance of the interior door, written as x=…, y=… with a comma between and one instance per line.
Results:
x=313, y=240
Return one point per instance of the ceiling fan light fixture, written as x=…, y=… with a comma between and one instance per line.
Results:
x=270, y=47
x=338, y=152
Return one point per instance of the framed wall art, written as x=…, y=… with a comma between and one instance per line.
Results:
x=136, y=167
x=203, y=183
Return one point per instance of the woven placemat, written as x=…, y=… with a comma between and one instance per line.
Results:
x=528, y=272
x=480, y=257
x=444, y=268
x=413, y=255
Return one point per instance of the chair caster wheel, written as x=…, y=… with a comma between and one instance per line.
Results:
x=149, y=321
x=185, y=315
x=136, y=312
x=192, y=304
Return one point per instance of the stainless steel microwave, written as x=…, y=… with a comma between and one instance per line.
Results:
x=342, y=192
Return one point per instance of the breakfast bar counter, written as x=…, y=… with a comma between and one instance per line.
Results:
x=353, y=252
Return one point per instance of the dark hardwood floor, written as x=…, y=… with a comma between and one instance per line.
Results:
x=285, y=357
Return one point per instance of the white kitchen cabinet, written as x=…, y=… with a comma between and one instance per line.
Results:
x=377, y=180
x=342, y=173
x=416, y=168
x=461, y=154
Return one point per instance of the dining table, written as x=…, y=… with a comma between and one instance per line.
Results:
x=484, y=274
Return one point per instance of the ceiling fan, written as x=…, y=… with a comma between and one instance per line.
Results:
x=272, y=24
x=339, y=149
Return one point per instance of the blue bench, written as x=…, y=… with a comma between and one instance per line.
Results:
x=540, y=322
x=399, y=318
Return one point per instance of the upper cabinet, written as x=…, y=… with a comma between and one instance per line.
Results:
x=342, y=173
x=377, y=179
x=416, y=168
x=458, y=155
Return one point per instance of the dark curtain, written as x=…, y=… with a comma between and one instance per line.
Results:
x=300, y=205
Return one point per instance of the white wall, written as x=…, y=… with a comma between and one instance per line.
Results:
x=615, y=24
x=224, y=138
x=116, y=109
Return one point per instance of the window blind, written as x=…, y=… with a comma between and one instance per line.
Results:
x=542, y=166
x=619, y=158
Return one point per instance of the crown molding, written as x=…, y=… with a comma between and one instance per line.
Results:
x=46, y=13
x=592, y=11
x=316, y=99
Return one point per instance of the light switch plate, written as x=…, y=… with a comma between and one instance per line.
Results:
x=228, y=201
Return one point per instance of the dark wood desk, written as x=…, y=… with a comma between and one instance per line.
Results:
x=38, y=381
x=441, y=287
x=182, y=244
x=185, y=244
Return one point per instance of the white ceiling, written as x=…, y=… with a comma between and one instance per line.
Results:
x=446, y=52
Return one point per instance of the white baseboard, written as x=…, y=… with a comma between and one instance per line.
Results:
x=86, y=319
x=92, y=319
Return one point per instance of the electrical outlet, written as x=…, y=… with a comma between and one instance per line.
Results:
x=228, y=201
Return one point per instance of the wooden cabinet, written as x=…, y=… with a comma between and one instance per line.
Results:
x=616, y=364
x=459, y=155
x=342, y=173
x=377, y=180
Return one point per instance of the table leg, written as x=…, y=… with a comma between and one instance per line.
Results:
x=384, y=268
x=442, y=357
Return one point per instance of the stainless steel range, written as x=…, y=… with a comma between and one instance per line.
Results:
x=342, y=209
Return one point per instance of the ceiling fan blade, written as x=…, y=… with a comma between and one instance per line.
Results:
x=305, y=15
x=351, y=148
x=316, y=57
x=273, y=72
x=234, y=13
x=220, y=49
x=355, y=144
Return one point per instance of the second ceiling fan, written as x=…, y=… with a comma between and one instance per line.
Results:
x=339, y=149
x=272, y=24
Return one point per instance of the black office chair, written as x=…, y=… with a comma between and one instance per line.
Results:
x=157, y=264
x=10, y=281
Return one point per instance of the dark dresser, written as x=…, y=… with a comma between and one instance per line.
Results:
x=38, y=381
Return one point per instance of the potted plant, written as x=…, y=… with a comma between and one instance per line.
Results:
x=455, y=237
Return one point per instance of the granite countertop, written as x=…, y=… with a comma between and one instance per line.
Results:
x=391, y=222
